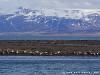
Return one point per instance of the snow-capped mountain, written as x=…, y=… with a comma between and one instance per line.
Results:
x=51, y=21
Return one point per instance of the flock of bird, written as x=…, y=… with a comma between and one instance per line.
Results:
x=48, y=53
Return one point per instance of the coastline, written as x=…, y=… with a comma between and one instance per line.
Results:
x=49, y=48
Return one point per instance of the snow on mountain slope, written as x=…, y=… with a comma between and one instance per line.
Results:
x=74, y=14
x=51, y=21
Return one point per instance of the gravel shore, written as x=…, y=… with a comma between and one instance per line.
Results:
x=50, y=47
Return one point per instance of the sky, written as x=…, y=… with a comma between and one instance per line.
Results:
x=11, y=5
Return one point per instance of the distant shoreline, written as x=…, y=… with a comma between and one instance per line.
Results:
x=49, y=47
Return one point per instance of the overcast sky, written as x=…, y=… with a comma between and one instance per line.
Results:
x=10, y=5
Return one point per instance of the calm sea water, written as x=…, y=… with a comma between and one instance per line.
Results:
x=28, y=65
x=46, y=38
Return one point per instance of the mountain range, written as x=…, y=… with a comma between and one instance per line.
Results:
x=50, y=22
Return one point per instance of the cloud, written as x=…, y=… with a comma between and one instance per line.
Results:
x=10, y=5
x=6, y=0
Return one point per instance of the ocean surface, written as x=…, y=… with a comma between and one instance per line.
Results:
x=46, y=38
x=49, y=65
